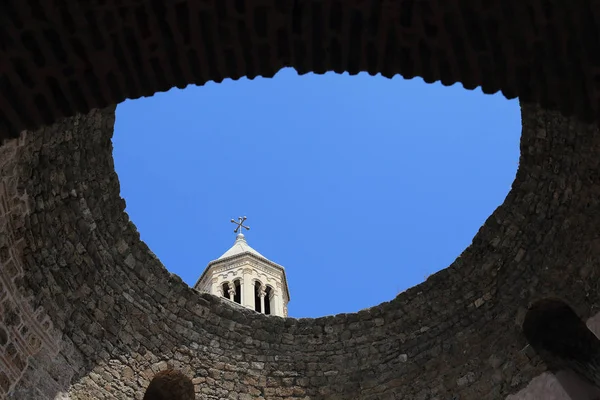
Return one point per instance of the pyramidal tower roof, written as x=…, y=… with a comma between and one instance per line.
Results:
x=240, y=246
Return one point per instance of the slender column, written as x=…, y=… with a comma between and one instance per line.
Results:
x=262, y=295
x=248, y=292
x=231, y=291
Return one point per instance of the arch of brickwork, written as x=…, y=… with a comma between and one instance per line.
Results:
x=87, y=311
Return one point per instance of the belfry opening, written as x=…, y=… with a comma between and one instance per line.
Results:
x=257, y=299
x=237, y=293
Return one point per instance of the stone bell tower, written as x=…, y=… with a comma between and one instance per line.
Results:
x=246, y=277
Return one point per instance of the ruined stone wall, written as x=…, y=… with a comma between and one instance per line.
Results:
x=118, y=317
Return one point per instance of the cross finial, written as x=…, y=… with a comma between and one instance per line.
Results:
x=240, y=225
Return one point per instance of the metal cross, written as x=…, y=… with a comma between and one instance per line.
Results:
x=240, y=225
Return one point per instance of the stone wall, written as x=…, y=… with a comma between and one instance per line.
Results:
x=24, y=330
x=70, y=56
x=89, y=312
x=118, y=317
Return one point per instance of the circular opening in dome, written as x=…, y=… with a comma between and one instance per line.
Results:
x=359, y=186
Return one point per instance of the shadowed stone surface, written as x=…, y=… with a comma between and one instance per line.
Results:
x=563, y=339
x=88, y=312
x=68, y=56
x=120, y=317
x=170, y=385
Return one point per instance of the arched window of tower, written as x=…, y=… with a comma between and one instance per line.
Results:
x=226, y=290
x=170, y=385
x=237, y=297
x=563, y=341
x=268, y=300
x=257, y=296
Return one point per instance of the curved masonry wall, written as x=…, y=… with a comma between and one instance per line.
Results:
x=118, y=316
x=69, y=57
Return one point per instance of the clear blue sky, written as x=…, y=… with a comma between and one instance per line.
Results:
x=359, y=186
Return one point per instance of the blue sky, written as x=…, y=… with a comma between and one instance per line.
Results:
x=359, y=186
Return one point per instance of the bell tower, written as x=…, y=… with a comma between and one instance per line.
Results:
x=244, y=276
